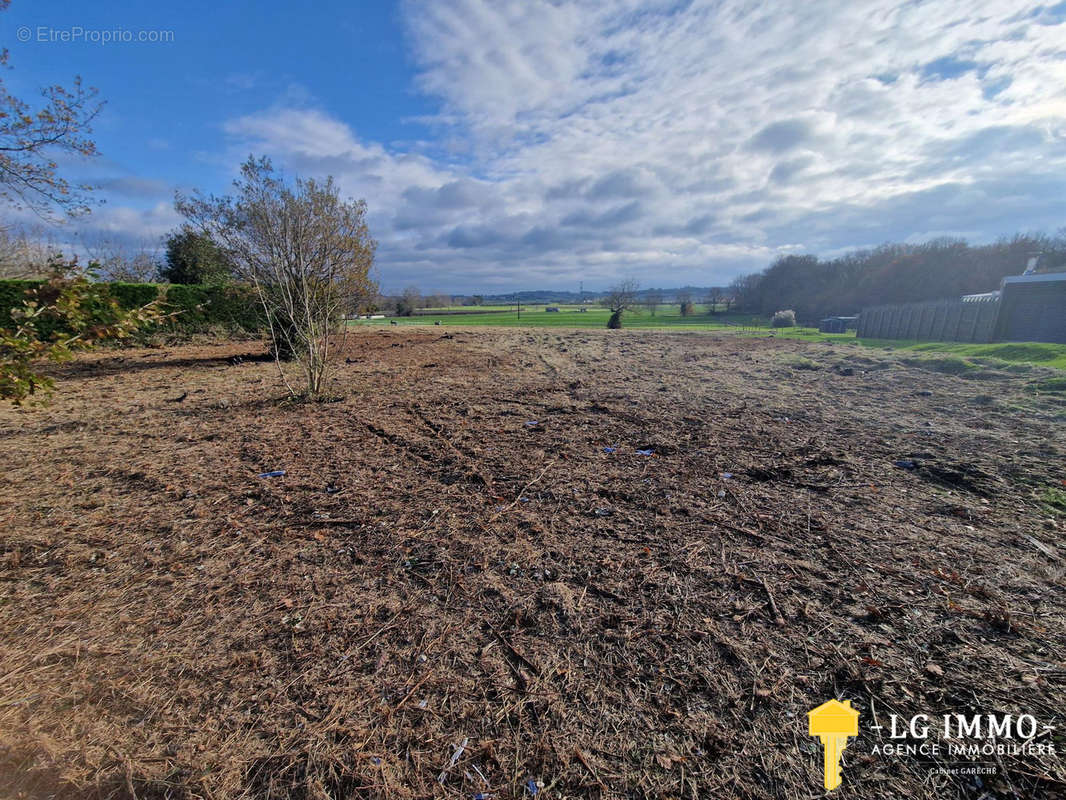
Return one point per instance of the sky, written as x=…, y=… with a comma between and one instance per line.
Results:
x=534, y=144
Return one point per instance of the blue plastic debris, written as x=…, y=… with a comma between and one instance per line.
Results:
x=275, y=474
x=648, y=452
x=531, y=423
x=727, y=475
x=608, y=450
x=531, y=786
x=906, y=463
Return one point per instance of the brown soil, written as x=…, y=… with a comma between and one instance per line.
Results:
x=442, y=598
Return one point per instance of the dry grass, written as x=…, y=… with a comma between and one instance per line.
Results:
x=441, y=599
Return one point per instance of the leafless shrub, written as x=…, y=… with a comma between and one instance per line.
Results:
x=307, y=252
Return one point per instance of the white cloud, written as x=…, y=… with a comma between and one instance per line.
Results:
x=758, y=123
x=689, y=141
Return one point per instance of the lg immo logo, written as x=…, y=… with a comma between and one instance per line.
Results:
x=962, y=743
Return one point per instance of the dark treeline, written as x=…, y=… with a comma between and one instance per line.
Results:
x=892, y=273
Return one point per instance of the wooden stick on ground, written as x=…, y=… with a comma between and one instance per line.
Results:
x=779, y=620
x=522, y=492
x=584, y=762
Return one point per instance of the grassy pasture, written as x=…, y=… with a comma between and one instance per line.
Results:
x=1038, y=353
x=570, y=316
x=668, y=317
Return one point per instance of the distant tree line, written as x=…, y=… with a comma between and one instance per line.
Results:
x=188, y=256
x=891, y=273
x=411, y=301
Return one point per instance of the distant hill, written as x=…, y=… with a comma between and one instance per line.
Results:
x=535, y=297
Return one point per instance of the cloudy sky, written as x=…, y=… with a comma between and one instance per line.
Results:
x=520, y=144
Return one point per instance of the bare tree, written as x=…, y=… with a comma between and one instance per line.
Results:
x=31, y=139
x=27, y=253
x=142, y=267
x=620, y=298
x=715, y=297
x=120, y=260
x=307, y=252
x=409, y=301
x=438, y=300
x=652, y=300
x=684, y=301
x=11, y=262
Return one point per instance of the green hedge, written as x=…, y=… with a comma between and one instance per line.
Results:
x=200, y=308
x=234, y=307
x=13, y=295
x=133, y=295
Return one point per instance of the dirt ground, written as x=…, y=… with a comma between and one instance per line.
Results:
x=458, y=589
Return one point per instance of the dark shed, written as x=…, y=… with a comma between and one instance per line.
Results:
x=1032, y=308
x=836, y=324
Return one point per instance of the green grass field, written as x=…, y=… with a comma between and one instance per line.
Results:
x=669, y=318
x=1037, y=353
x=572, y=317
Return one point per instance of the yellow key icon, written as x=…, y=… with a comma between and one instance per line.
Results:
x=834, y=723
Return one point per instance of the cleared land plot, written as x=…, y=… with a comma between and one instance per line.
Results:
x=442, y=598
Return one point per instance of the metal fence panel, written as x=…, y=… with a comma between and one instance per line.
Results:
x=939, y=320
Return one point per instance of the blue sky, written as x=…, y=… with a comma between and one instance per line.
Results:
x=511, y=144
